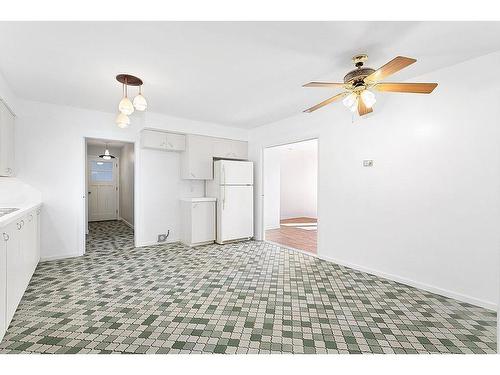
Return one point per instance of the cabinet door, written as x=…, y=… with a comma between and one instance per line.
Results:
x=239, y=149
x=6, y=141
x=31, y=243
x=153, y=139
x=3, y=279
x=203, y=222
x=37, y=234
x=230, y=149
x=197, y=160
x=175, y=142
x=14, y=279
x=222, y=148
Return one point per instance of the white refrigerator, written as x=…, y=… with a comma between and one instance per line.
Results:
x=233, y=187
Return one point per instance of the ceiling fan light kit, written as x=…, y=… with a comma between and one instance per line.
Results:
x=359, y=82
x=126, y=106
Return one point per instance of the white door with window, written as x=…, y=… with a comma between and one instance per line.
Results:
x=103, y=189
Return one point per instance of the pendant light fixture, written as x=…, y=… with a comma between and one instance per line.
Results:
x=140, y=101
x=106, y=155
x=122, y=120
x=126, y=106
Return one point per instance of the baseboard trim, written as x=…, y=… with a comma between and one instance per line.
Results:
x=429, y=288
x=153, y=243
x=59, y=257
x=126, y=222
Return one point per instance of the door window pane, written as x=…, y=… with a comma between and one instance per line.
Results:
x=101, y=171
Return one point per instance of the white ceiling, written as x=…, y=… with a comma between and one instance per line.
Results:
x=241, y=74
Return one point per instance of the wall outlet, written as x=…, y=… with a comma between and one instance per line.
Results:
x=367, y=163
x=163, y=236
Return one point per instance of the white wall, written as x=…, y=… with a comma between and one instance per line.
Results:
x=127, y=183
x=160, y=194
x=272, y=188
x=7, y=95
x=50, y=152
x=299, y=180
x=427, y=213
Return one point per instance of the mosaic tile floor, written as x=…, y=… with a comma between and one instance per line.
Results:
x=249, y=297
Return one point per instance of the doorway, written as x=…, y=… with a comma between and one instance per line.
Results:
x=290, y=195
x=109, y=181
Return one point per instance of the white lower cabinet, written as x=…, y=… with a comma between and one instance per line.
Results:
x=19, y=256
x=3, y=286
x=198, y=221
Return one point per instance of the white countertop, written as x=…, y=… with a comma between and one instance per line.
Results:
x=22, y=210
x=199, y=199
x=14, y=193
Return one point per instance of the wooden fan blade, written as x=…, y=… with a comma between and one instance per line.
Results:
x=393, y=66
x=362, y=108
x=327, y=101
x=417, y=88
x=323, y=84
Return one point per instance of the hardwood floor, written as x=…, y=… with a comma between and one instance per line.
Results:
x=292, y=234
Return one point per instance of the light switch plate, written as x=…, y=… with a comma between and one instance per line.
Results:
x=367, y=163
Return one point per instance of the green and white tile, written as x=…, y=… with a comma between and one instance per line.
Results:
x=249, y=297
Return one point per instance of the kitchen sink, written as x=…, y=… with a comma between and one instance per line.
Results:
x=7, y=210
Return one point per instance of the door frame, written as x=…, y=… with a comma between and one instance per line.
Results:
x=263, y=198
x=83, y=217
x=117, y=183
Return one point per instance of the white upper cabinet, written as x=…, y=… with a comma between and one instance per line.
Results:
x=158, y=140
x=198, y=151
x=6, y=141
x=196, y=161
x=230, y=149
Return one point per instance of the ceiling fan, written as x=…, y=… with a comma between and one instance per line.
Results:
x=358, y=82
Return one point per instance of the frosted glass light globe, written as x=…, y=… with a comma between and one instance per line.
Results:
x=126, y=107
x=368, y=98
x=122, y=121
x=140, y=102
x=350, y=100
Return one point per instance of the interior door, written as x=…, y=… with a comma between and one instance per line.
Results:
x=103, y=189
x=236, y=213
